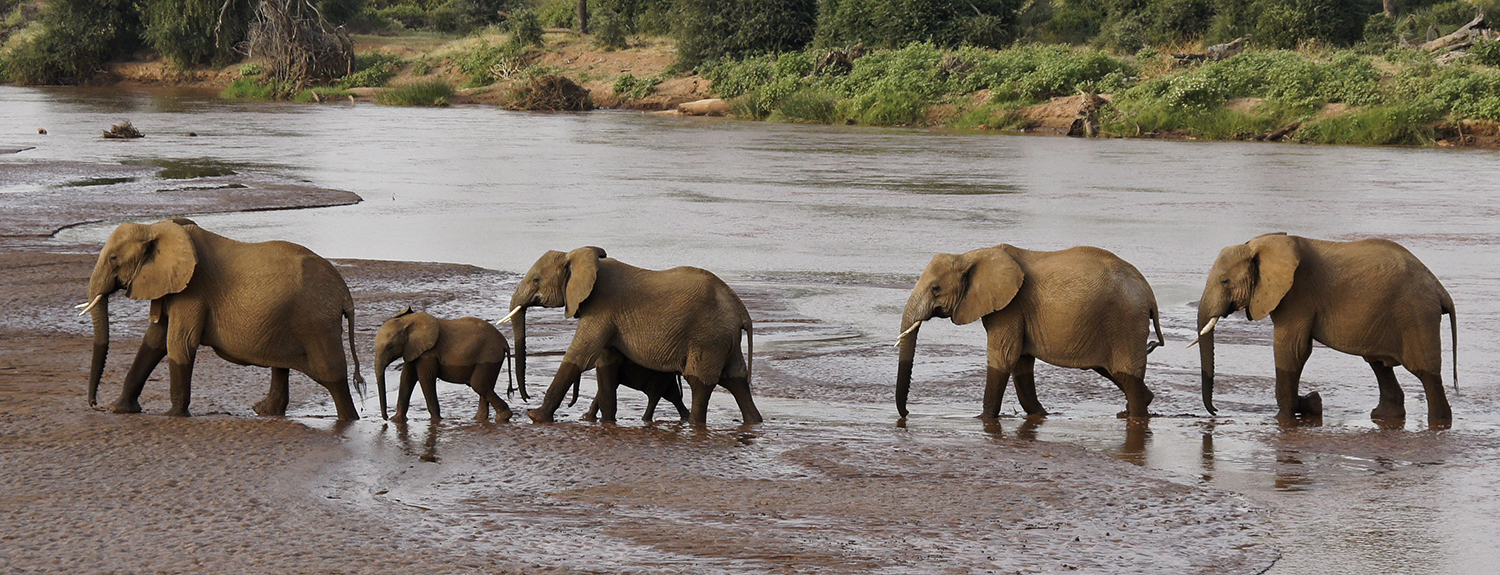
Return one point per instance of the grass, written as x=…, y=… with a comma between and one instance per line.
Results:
x=434, y=92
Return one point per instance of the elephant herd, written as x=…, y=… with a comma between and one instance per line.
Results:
x=278, y=305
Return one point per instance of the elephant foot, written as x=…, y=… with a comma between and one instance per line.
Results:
x=1311, y=404
x=537, y=416
x=178, y=412
x=503, y=416
x=399, y=418
x=126, y=407
x=269, y=408
x=1388, y=411
x=589, y=417
x=1128, y=415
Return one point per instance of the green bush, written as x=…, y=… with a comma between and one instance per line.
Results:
x=466, y=16
x=1404, y=124
x=188, y=32
x=485, y=63
x=1034, y=71
x=609, y=31
x=525, y=28
x=1485, y=53
x=631, y=87
x=558, y=14
x=808, y=105
x=433, y=92
x=713, y=29
x=77, y=37
x=372, y=69
x=257, y=88
x=894, y=23
x=408, y=16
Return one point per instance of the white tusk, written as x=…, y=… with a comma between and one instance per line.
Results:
x=512, y=314
x=88, y=306
x=905, y=333
x=1207, y=328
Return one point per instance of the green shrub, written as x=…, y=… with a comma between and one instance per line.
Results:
x=609, y=31
x=558, y=14
x=485, y=63
x=434, y=92
x=1405, y=124
x=1033, y=72
x=525, y=28
x=894, y=23
x=631, y=87
x=189, y=32
x=466, y=16
x=252, y=69
x=77, y=37
x=713, y=29
x=372, y=69
x=1485, y=53
x=408, y=16
x=808, y=105
x=257, y=88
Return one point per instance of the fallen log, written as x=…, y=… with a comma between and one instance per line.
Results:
x=1213, y=53
x=1460, y=38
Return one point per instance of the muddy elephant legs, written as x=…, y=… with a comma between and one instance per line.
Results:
x=181, y=386
x=1025, y=380
x=1137, y=397
x=1293, y=346
x=994, y=391
x=739, y=387
x=567, y=373
x=153, y=349
x=1392, y=402
x=278, y=396
x=483, y=383
x=1439, y=414
x=607, y=372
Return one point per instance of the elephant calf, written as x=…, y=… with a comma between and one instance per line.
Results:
x=466, y=350
x=1370, y=298
x=1080, y=307
x=655, y=384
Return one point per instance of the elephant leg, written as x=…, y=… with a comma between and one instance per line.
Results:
x=1392, y=402
x=567, y=373
x=607, y=372
x=1137, y=396
x=1293, y=346
x=403, y=392
x=343, y=401
x=593, y=412
x=651, y=400
x=153, y=349
x=483, y=381
x=740, y=388
x=1025, y=382
x=701, y=392
x=427, y=376
x=181, y=373
x=995, y=379
x=674, y=395
x=277, y=398
x=1439, y=413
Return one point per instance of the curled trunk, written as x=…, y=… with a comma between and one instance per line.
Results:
x=1206, y=356
x=381, y=363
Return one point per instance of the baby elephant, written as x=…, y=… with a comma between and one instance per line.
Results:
x=466, y=350
x=655, y=384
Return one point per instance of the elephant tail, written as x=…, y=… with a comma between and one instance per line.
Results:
x=749, y=347
x=510, y=374
x=1453, y=325
x=359, y=378
x=1160, y=341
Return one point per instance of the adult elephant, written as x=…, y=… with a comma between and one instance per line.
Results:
x=1370, y=298
x=272, y=304
x=682, y=320
x=1081, y=307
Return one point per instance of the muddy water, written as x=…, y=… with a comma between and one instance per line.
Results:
x=826, y=228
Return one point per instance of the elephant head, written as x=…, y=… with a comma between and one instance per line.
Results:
x=963, y=287
x=407, y=335
x=149, y=262
x=1253, y=276
x=557, y=279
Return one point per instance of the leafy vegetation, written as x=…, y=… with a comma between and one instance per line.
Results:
x=433, y=92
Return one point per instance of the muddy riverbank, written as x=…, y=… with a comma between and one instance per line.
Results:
x=91, y=491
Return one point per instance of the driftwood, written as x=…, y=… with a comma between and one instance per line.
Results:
x=1215, y=52
x=1461, y=38
x=552, y=93
x=839, y=62
x=1278, y=134
x=124, y=131
x=298, y=43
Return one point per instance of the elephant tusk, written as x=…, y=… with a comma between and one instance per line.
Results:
x=908, y=331
x=1207, y=328
x=512, y=314
x=88, y=306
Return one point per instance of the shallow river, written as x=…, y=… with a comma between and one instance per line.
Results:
x=833, y=225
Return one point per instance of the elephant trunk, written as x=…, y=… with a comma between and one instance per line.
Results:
x=102, y=283
x=518, y=322
x=101, y=347
x=1206, y=322
x=916, y=311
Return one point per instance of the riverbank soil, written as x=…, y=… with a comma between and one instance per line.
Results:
x=83, y=490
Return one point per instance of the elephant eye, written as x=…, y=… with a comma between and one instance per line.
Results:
x=937, y=289
x=1224, y=281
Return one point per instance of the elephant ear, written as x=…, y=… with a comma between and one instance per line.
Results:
x=583, y=267
x=167, y=264
x=1276, y=259
x=993, y=278
x=421, y=334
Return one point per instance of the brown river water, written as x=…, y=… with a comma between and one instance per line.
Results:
x=824, y=230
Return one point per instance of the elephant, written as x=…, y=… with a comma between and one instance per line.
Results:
x=272, y=304
x=466, y=350
x=655, y=384
x=1370, y=298
x=682, y=320
x=1082, y=307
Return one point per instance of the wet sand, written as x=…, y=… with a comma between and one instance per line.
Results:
x=823, y=486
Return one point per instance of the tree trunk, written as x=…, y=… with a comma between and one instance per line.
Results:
x=583, y=16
